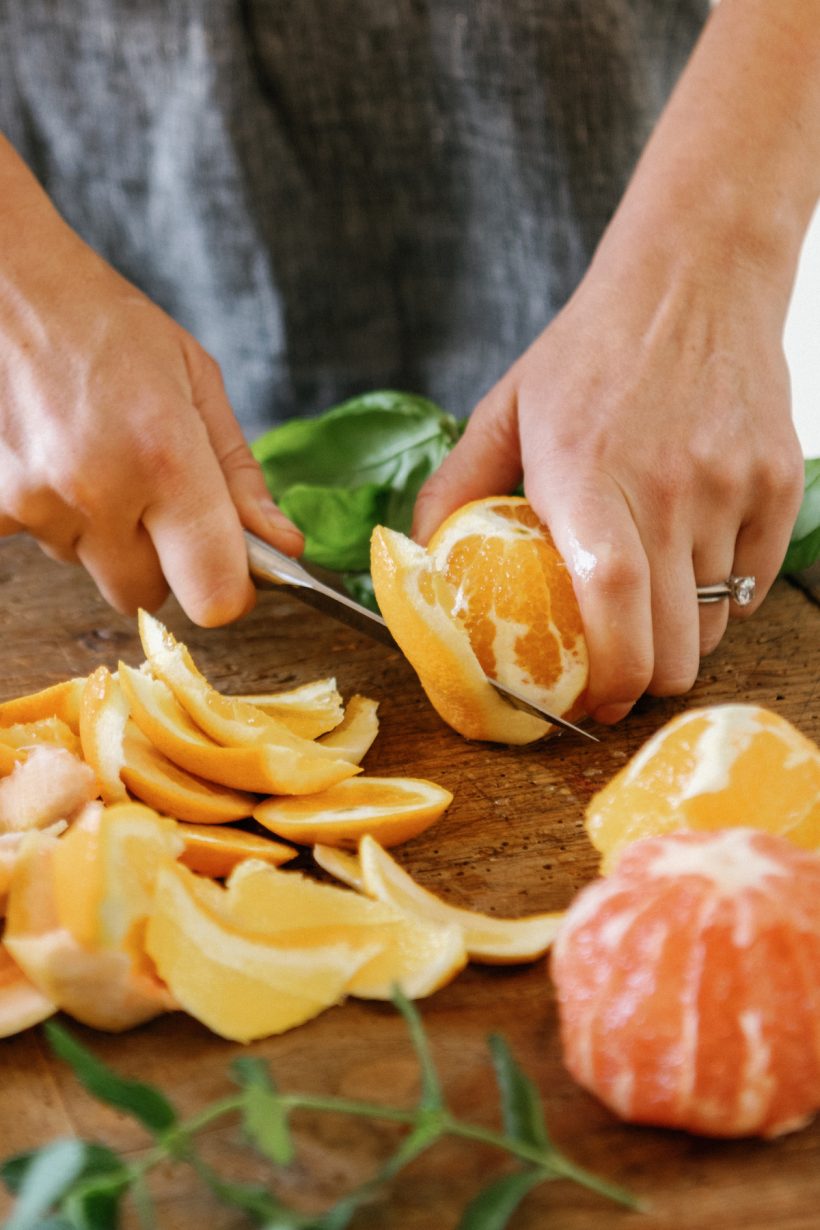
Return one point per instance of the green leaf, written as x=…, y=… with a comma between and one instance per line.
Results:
x=376, y=438
x=432, y=1098
x=49, y=1174
x=804, y=547
x=493, y=1207
x=257, y=1201
x=263, y=1117
x=337, y=522
x=521, y=1110
x=145, y=1103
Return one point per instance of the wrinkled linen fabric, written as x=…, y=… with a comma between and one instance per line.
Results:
x=339, y=195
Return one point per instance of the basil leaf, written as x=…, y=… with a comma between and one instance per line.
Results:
x=145, y=1103
x=493, y=1207
x=263, y=1117
x=521, y=1110
x=337, y=522
x=376, y=438
x=804, y=547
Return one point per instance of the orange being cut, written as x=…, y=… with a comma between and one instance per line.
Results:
x=688, y=984
x=490, y=596
x=711, y=768
x=393, y=809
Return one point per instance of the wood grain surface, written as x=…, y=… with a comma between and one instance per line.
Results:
x=512, y=842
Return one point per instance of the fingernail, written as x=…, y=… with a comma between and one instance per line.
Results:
x=277, y=520
x=612, y=712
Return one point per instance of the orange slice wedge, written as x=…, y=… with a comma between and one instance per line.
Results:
x=356, y=733
x=490, y=940
x=309, y=710
x=260, y=769
x=417, y=955
x=393, y=808
x=227, y=721
x=21, y=1004
x=61, y=700
x=215, y=851
x=237, y=982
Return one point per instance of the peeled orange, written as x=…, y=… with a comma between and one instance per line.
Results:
x=490, y=596
x=393, y=809
x=713, y=768
x=688, y=984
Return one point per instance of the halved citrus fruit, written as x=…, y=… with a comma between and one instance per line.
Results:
x=355, y=734
x=215, y=850
x=241, y=984
x=417, y=955
x=309, y=710
x=392, y=808
x=487, y=939
x=61, y=700
x=21, y=1003
x=688, y=983
x=262, y=768
x=712, y=768
x=418, y=604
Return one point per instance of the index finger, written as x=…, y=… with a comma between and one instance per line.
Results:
x=602, y=548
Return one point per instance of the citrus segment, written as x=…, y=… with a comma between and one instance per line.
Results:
x=487, y=939
x=21, y=1003
x=50, y=730
x=393, y=808
x=418, y=605
x=688, y=983
x=61, y=700
x=107, y=989
x=417, y=955
x=103, y=717
x=227, y=721
x=262, y=769
x=309, y=710
x=240, y=984
x=50, y=784
x=355, y=734
x=712, y=768
x=215, y=851
x=515, y=598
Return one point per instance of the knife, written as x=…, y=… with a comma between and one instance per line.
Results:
x=271, y=567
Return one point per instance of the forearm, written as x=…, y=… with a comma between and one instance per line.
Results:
x=734, y=162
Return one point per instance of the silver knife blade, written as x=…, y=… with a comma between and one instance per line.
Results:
x=271, y=567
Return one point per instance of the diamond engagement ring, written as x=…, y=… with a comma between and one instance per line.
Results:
x=739, y=589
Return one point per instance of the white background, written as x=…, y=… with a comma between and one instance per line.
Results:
x=803, y=344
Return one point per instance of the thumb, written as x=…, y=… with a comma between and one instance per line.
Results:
x=486, y=461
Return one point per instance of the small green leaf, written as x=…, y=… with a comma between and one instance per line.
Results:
x=263, y=1117
x=493, y=1207
x=431, y=1095
x=145, y=1103
x=521, y=1109
x=49, y=1174
x=804, y=547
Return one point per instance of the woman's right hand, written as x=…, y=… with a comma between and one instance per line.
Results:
x=118, y=447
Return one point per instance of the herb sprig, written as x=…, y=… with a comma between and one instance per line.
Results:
x=73, y=1184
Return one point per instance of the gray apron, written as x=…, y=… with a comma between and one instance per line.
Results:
x=340, y=195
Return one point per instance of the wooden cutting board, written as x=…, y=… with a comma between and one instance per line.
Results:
x=512, y=842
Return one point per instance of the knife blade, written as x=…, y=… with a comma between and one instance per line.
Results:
x=270, y=567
